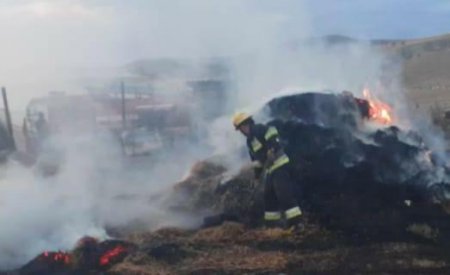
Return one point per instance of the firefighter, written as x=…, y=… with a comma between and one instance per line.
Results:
x=271, y=167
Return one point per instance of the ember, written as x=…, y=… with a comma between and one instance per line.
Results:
x=89, y=255
x=57, y=257
x=379, y=111
x=112, y=255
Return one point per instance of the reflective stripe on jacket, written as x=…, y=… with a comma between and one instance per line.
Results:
x=280, y=161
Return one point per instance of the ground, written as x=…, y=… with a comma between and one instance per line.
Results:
x=233, y=248
x=248, y=248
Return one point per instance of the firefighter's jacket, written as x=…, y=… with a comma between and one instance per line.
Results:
x=263, y=139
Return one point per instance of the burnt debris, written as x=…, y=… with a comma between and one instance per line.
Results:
x=89, y=257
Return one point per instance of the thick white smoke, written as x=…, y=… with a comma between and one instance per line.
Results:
x=94, y=189
x=52, y=45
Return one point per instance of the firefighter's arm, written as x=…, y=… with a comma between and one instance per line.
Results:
x=257, y=169
x=256, y=165
x=272, y=139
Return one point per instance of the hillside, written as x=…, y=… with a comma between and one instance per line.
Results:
x=426, y=66
x=426, y=69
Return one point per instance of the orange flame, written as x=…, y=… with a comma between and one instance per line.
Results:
x=379, y=111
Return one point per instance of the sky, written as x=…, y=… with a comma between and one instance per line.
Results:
x=52, y=44
x=390, y=19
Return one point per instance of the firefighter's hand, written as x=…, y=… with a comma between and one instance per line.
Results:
x=257, y=177
x=271, y=155
x=256, y=164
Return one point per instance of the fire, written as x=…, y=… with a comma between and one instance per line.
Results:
x=57, y=257
x=112, y=255
x=379, y=111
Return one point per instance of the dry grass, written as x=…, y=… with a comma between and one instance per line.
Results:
x=162, y=234
x=426, y=69
x=239, y=259
x=127, y=268
x=229, y=232
x=235, y=249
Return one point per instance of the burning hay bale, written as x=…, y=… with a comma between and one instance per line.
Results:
x=89, y=257
x=349, y=177
x=48, y=263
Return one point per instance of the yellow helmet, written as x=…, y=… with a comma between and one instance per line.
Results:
x=240, y=118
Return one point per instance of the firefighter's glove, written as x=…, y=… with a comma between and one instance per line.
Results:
x=257, y=169
x=256, y=164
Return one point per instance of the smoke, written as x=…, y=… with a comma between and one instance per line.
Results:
x=94, y=189
x=312, y=65
x=54, y=45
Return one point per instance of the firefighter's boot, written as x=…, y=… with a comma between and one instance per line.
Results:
x=272, y=219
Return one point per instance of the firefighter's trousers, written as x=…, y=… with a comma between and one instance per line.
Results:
x=279, y=197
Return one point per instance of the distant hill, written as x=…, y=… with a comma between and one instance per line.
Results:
x=338, y=39
x=426, y=65
x=426, y=70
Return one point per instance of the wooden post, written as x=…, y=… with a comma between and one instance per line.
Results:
x=8, y=119
x=124, y=116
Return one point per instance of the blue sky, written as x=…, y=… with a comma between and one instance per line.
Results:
x=366, y=18
x=380, y=18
